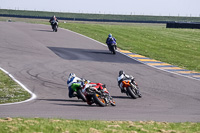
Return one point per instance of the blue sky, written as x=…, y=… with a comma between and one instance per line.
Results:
x=137, y=7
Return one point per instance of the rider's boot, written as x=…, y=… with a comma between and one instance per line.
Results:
x=122, y=90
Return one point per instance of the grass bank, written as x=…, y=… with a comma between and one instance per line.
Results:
x=41, y=125
x=10, y=91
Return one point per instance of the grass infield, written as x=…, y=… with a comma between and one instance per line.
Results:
x=10, y=91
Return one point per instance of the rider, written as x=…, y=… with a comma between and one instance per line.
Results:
x=53, y=18
x=110, y=40
x=122, y=76
x=73, y=82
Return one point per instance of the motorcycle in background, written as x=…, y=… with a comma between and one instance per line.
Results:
x=112, y=47
x=54, y=25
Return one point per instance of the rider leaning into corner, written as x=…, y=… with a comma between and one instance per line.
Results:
x=110, y=40
x=73, y=81
x=53, y=18
x=122, y=76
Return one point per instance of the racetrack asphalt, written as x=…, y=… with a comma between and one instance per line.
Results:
x=42, y=60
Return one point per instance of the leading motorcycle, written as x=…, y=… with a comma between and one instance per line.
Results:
x=54, y=25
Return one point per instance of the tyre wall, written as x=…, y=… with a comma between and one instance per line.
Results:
x=183, y=25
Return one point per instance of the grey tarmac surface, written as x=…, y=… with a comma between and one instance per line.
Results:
x=42, y=61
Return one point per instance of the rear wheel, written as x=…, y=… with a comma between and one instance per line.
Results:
x=98, y=100
x=81, y=95
x=132, y=92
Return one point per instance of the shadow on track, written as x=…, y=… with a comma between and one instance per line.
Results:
x=45, y=30
x=80, y=105
x=121, y=97
x=61, y=100
x=91, y=55
x=66, y=102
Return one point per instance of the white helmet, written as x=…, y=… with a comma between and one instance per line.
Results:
x=72, y=75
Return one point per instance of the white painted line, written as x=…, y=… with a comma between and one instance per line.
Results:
x=33, y=96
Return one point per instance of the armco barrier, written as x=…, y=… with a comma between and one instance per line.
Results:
x=183, y=25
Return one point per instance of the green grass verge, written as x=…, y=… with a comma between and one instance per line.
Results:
x=41, y=125
x=10, y=91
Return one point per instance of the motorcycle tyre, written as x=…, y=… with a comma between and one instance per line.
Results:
x=98, y=101
x=55, y=28
x=81, y=95
x=131, y=92
x=113, y=103
x=113, y=50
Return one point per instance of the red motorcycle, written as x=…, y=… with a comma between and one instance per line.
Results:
x=98, y=94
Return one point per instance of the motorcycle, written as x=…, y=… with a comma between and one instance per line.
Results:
x=98, y=94
x=131, y=88
x=78, y=92
x=54, y=25
x=112, y=47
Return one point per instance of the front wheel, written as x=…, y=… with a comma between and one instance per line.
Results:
x=132, y=92
x=98, y=100
x=55, y=28
x=112, y=102
x=81, y=95
x=113, y=49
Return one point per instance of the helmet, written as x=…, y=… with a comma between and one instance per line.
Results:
x=87, y=81
x=71, y=75
x=110, y=35
x=121, y=72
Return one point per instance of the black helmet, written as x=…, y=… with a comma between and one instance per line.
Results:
x=121, y=72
